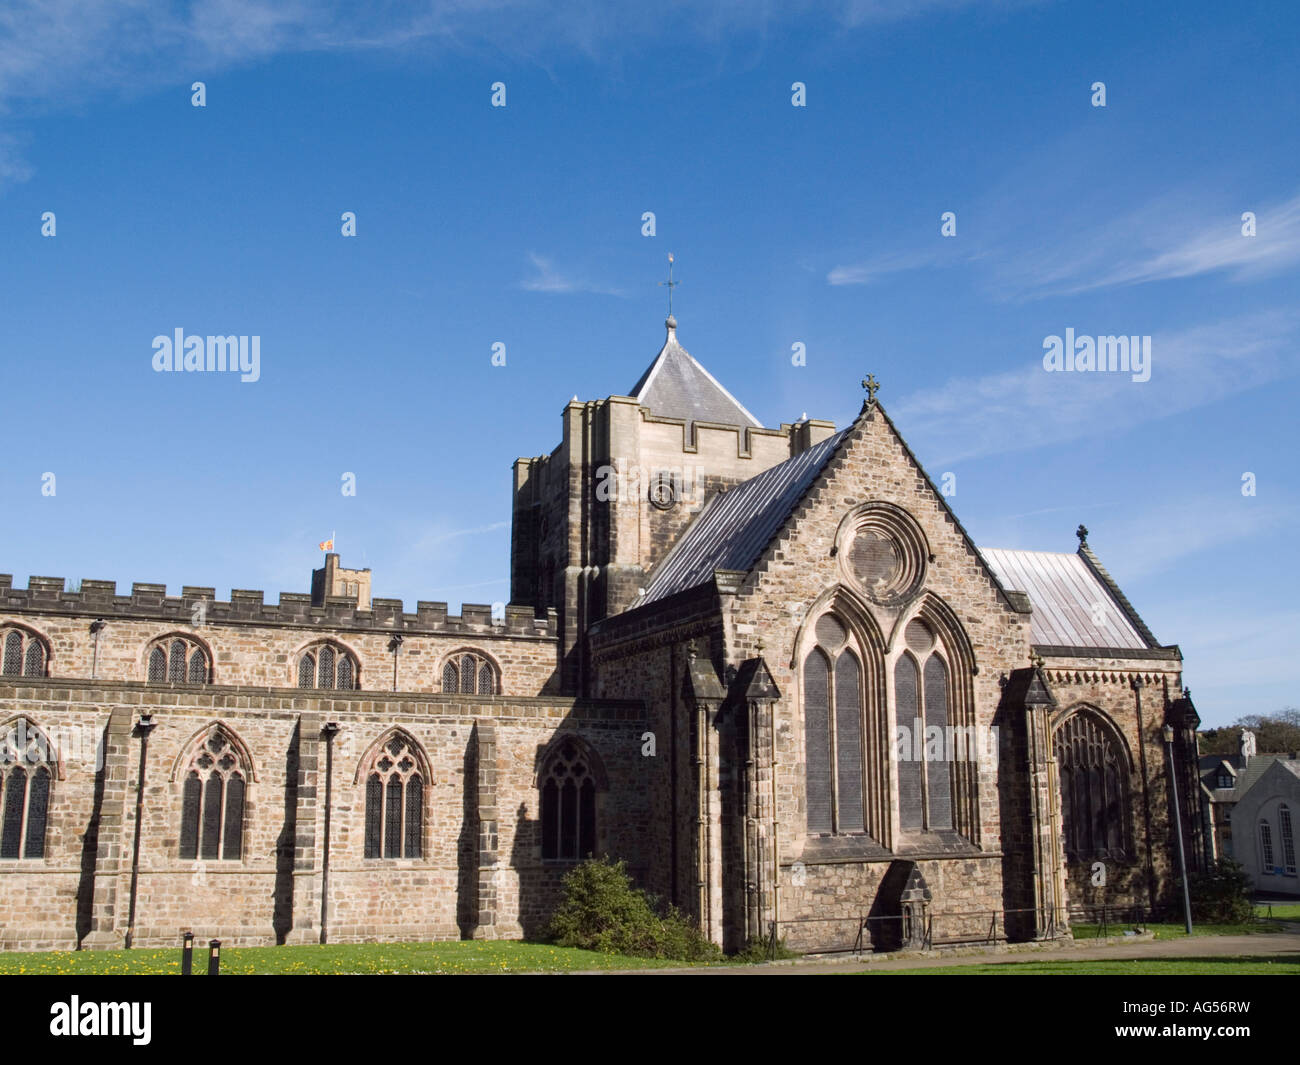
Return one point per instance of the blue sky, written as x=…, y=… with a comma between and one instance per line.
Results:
x=522, y=225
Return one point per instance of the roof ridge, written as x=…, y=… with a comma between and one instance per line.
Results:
x=1094, y=564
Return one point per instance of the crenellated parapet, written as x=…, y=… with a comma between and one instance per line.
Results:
x=48, y=595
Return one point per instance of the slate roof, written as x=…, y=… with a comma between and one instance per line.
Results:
x=1247, y=776
x=1063, y=589
x=735, y=526
x=676, y=386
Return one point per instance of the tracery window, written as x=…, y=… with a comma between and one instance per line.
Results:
x=326, y=666
x=568, y=804
x=22, y=654
x=1288, y=839
x=26, y=775
x=924, y=759
x=832, y=687
x=212, y=801
x=395, y=801
x=177, y=660
x=469, y=673
x=1094, y=777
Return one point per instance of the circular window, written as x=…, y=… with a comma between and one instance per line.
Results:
x=830, y=633
x=918, y=636
x=883, y=551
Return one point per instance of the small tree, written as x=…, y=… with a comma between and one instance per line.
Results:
x=1223, y=894
x=601, y=910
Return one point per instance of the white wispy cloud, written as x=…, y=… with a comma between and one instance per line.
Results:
x=1173, y=237
x=1150, y=545
x=549, y=279
x=882, y=265
x=968, y=417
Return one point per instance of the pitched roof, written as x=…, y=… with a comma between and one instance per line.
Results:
x=1064, y=590
x=676, y=386
x=1247, y=776
x=735, y=526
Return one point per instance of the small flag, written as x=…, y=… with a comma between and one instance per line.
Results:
x=327, y=545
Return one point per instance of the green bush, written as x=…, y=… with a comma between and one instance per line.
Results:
x=758, y=949
x=1222, y=895
x=602, y=911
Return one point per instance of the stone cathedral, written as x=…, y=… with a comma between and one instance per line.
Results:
x=765, y=666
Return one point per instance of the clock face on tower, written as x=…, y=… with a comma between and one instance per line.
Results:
x=663, y=492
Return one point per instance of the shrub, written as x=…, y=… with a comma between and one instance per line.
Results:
x=602, y=911
x=1222, y=895
x=759, y=949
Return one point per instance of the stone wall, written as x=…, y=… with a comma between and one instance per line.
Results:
x=250, y=643
x=81, y=889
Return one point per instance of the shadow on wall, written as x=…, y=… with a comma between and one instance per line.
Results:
x=286, y=843
x=90, y=849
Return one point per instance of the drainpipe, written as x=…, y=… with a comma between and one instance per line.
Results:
x=329, y=729
x=144, y=726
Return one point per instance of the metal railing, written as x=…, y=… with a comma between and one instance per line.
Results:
x=989, y=927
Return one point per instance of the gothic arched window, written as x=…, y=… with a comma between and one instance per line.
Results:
x=832, y=690
x=469, y=673
x=394, y=800
x=213, y=790
x=1288, y=839
x=326, y=666
x=1094, y=776
x=178, y=660
x=22, y=654
x=1265, y=846
x=926, y=748
x=568, y=804
x=26, y=774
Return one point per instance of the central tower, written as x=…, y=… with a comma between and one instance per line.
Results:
x=593, y=518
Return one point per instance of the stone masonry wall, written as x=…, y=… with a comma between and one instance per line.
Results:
x=273, y=892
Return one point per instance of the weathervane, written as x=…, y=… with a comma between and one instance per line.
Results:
x=670, y=284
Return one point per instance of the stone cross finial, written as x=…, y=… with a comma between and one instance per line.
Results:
x=1082, y=533
x=872, y=386
x=1036, y=660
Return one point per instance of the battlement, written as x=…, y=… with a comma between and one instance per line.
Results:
x=48, y=595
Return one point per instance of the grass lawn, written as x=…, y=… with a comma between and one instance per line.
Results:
x=505, y=956
x=1177, y=930
x=1285, y=911
x=1232, y=965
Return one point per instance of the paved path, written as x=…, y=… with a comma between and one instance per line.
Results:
x=1285, y=944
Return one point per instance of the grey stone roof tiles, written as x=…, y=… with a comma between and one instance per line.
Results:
x=676, y=386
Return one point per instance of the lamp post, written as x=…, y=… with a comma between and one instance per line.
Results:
x=395, y=645
x=143, y=727
x=1178, y=826
x=330, y=729
x=96, y=627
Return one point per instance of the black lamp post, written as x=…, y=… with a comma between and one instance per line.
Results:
x=395, y=645
x=143, y=727
x=96, y=627
x=329, y=730
x=1178, y=825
